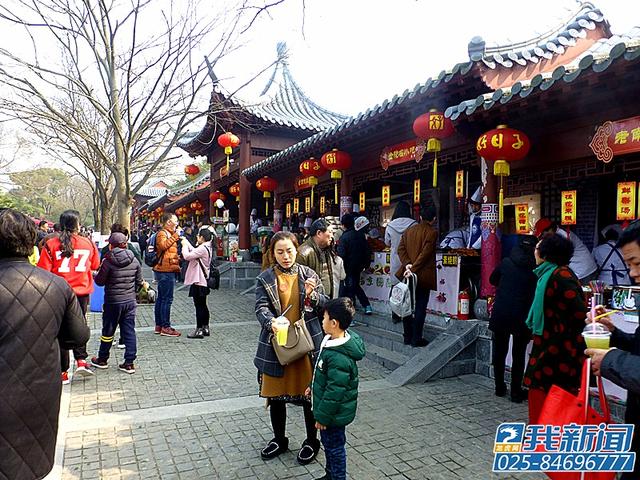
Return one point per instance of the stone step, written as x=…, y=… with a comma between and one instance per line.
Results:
x=383, y=338
x=387, y=358
x=430, y=360
x=379, y=320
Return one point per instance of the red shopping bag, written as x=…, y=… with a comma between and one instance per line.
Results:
x=562, y=408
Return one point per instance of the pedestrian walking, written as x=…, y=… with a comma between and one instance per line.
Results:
x=74, y=258
x=400, y=222
x=356, y=255
x=44, y=317
x=199, y=259
x=335, y=384
x=315, y=252
x=556, y=319
x=284, y=289
x=417, y=253
x=621, y=362
x=515, y=286
x=121, y=275
x=165, y=272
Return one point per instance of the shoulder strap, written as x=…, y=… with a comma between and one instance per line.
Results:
x=600, y=267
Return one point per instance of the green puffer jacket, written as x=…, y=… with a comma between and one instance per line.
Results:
x=335, y=380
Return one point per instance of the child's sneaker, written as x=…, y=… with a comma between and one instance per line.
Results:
x=99, y=362
x=127, y=368
x=65, y=378
x=82, y=368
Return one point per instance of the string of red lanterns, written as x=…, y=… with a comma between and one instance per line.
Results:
x=312, y=169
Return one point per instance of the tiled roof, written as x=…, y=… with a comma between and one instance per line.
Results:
x=282, y=102
x=541, y=47
x=306, y=146
x=169, y=194
x=150, y=192
x=597, y=58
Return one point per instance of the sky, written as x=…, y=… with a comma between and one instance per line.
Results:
x=350, y=55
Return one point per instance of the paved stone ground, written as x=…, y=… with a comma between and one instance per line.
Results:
x=191, y=411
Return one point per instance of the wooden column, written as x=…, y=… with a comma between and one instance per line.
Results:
x=245, y=193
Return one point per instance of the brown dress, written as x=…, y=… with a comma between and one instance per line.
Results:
x=297, y=376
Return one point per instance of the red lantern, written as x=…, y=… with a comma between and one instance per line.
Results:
x=336, y=160
x=235, y=191
x=503, y=145
x=213, y=196
x=433, y=127
x=192, y=169
x=266, y=185
x=228, y=141
x=197, y=206
x=312, y=169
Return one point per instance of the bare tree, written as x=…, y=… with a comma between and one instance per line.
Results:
x=115, y=84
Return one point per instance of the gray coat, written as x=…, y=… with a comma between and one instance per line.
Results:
x=268, y=307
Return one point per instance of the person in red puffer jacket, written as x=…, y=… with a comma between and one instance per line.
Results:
x=73, y=258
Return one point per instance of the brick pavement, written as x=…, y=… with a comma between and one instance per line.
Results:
x=191, y=412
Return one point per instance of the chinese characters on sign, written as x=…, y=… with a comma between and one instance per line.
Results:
x=416, y=191
x=307, y=205
x=522, y=218
x=362, y=201
x=569, y=207
x=616, y=138
x=460, y=184
x=626, y=204
x=322, y=205
x=386, y=195
x=303, y=183
x=296, y=205
x=288, y=210
x=396, y=154
x=449, y=260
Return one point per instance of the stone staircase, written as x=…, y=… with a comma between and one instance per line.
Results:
x=451, y=351
x=238, y=275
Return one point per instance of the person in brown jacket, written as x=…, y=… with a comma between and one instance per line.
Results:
x=165, y=271
x=417, y=252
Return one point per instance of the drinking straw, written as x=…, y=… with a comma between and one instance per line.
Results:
x=610, y=312
x=593, y=313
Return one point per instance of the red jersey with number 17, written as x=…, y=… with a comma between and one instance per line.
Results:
x=76, y=269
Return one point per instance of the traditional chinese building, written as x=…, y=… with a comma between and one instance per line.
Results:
x=282, y=115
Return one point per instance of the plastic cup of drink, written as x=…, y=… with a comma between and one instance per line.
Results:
x=596, y=336
x=282, y=330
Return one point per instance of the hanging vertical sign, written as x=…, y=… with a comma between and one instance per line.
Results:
x=522, y=218
x=288, y=210
x=296, y=205
x=626, y=203
x=307, y=205
x=568, y=205
x=416, y=190
x=386, y=195
x=362, y=201
x=460, y=184
x=322, y=205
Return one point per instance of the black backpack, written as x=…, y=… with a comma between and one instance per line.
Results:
x=213, y=278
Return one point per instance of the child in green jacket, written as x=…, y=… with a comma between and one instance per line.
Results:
x=335, y=384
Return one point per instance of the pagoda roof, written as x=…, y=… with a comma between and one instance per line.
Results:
x=172, y=194
x=282, y=102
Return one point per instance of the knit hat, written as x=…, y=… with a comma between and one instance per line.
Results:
x=117, y=238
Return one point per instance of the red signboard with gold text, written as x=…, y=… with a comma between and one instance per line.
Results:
x=302, y=183
x=522, y=218
x=616, y=138
x=626, y=203
x=569, y=207
x=460, y=184
x=401, y=153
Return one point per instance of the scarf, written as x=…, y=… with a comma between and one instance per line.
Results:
x=292, y=270
x=535, y=319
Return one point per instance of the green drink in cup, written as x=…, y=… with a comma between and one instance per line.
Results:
x=596, y=336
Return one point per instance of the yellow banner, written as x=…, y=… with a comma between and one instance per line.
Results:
x=569, y=207
x=296, y=205
x=522, y=218
x=416, y=191
x=362, y=202
x=460, y=184
x=288, y=210
x=626, y=203
x=322, y=205
x=386, y=195
x=307, y=205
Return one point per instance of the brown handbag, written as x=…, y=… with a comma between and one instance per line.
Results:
x=299, y=343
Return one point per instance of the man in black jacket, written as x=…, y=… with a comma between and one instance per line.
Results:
x=40, y=314
x=356, y=255
x=621, y=364
x=121, y=275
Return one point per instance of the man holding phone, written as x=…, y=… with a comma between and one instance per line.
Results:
x=621, y=364
x=166, y=269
